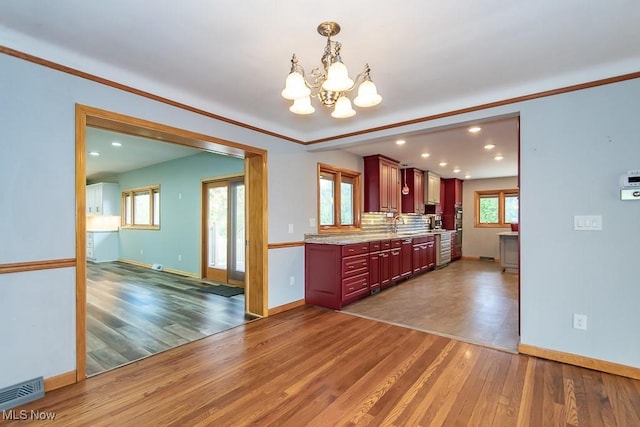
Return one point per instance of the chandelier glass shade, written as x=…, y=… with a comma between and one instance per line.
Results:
x=331, y=84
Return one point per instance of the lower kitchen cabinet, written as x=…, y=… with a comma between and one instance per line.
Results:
x=379, y=265
x=336, y=275
x=102, y=246
x=424, y=254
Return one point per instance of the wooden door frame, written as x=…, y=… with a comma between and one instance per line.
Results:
x=256, y=285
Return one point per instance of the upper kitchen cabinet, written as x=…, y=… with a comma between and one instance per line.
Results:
x=381, y=184
x=103, y=199
x=432, y=189
x=414, y=201
x=453, y=192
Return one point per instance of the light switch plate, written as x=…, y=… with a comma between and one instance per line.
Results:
x=587, y=222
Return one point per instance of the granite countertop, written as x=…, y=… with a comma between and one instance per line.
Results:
x=347, y=239
x=508, y=233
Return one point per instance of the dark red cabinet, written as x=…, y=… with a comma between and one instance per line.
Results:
x=452, y=199
x=336, y=275
x=381, y=184
x=379, y=265
x=424, y=255
x=414, y=201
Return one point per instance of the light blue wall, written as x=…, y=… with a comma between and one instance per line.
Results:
x=180, y=210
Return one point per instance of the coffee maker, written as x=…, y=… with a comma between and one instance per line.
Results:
x=437, y=222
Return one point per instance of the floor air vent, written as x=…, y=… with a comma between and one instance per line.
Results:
x=21, y=393
x=487, y=258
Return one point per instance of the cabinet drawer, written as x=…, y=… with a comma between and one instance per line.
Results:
x=396, y=243
x=355, y=265
x=385, y=244
x=374, y=246
x=355, y=249
x=355, y=284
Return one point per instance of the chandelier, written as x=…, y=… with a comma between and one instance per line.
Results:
x=331, y=84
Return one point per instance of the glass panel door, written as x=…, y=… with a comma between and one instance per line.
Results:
x=237, y=243
x=216, y=214
x=224, y=231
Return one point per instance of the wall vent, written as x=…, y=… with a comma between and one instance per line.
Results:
x=487, y=258
x=21, y=393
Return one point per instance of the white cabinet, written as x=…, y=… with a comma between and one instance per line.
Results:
x=432, y=189
x=102, y=246
x=509, y=251
x=103, y=199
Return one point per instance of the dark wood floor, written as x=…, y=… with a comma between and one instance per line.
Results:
x=135, y=312
x=472, y=301
x=316, y=367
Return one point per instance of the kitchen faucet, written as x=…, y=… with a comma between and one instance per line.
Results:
x=394, y=223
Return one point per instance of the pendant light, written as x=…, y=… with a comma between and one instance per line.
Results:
x=405, y=189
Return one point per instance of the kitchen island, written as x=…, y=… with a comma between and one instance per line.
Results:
x=509, y=251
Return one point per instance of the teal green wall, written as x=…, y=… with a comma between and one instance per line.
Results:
x=180, y=210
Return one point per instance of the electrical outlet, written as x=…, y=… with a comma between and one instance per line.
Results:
x=141, y=252
x=580, y=321
x=179, y=257
x=292, y=280
x=290, y=228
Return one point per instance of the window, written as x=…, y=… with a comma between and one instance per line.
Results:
x=141, y=208
x=338, y=199
x=496, y=208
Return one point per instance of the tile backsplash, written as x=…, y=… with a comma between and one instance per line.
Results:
x=377, y=222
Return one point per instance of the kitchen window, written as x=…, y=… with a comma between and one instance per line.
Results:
x=496, y=208
x=338, y=199
x=141, y=208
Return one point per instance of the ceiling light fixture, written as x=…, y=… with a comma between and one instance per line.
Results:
x=475, y=129
x=94, y=153
x=467, y=176
x=331, y=84
x=456, y=170
x=401, y=142
x=489, y=147
x=499, y=157
x=116, y=144
x=443, y=164
x=425, y=155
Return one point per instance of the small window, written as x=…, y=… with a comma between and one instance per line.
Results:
x=496, y=208
x=141, y=208
x=338, y=199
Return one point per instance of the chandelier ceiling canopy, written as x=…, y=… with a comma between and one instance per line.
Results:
x=331, y=84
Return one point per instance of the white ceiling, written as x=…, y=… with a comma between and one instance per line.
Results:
x=427, y=57
x=133, y=153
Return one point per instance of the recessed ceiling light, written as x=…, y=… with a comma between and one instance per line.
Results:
x=467, y=176
x=116, y=144
x=400, y=142
x=489, y=147
x=499, y=157
x=475, y=129
x=443, y=164
x=94, y=153
x=425, y=155
x=456, y=170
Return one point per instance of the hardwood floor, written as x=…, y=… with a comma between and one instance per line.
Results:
x=134, y=312
x=316, y=367
x=468, y=300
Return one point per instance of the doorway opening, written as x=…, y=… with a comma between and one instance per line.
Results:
x=255, y=249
